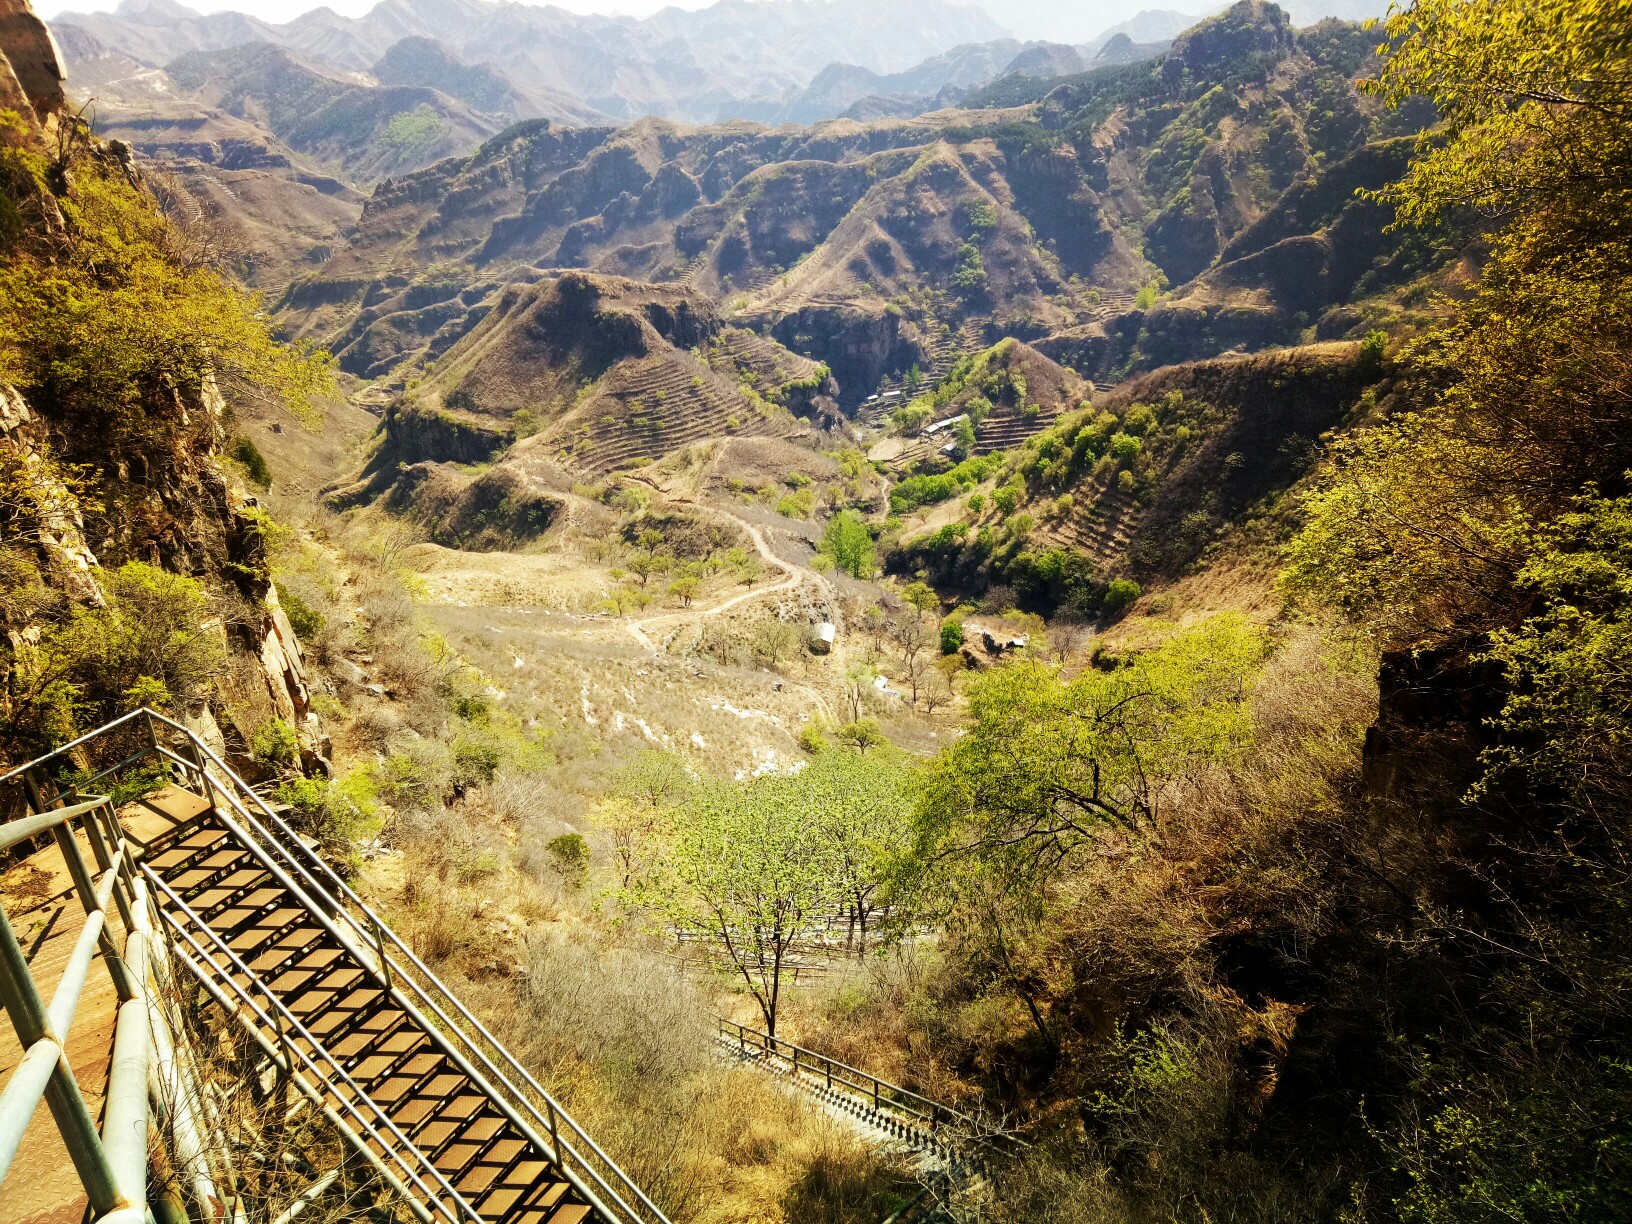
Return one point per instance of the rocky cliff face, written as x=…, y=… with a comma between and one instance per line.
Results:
x=79, y=502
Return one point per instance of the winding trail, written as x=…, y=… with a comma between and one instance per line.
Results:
x=794, y=576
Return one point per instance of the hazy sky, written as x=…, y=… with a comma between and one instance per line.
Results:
x=1064, y=20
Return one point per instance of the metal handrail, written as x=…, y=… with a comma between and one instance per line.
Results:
x=286, y=1027
x=377, y=935
x=883, y=1094
x=397, y=964
x=111, y=1162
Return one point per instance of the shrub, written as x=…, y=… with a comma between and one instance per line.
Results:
x=1119, y=594
x=569, y=854
x=951, y=637
x=1374, y=353
x=1124, y=447
x=151, y=644
x=797, y=505
x=305, y=620
x=249, y=455
x=275, y=744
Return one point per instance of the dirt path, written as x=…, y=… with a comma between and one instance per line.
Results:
x=793, y=577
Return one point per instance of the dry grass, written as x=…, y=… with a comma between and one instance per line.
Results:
x=618, y=1034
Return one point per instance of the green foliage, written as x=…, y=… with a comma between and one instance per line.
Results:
x=151, y=642
x=750, y=864
x=921, y=596
x=982, y=217
x=951, y=636
x=1124, y=447
x=249, y=455
x=800, y=504
x=1568, y=712
x=862, y=734
x=917, y=491
x=94, y=323
x=912, y=417
x=1534, y=98
x=305, y=620
x=1047, y=764
x=1374, y=353
x=749, y=867
x=970, y=274
x=850, y=545
x=275, y=743
x=570, y=855
x=340, y=812
x=411, y=130
x=1119, y=594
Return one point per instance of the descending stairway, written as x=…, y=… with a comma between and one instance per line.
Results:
x=342, y=1011
x=216, y=893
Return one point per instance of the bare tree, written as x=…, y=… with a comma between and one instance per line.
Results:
x=1066, y=637
x=773, y=639
x=911, y=636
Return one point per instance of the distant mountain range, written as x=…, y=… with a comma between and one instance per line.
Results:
x=359, y=100
x=689, y=66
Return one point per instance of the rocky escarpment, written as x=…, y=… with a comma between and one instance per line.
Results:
x=141, y=483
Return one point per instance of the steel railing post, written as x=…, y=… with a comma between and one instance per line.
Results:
x=125, y=1118
x=379, y=950
x=63, y=835
x=73, y=1118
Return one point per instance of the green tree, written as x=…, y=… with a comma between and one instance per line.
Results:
x=866, y=800
x=1049, y=764
x=751, y=867
x=922, y=596
x=850, y=544
x=685, y=590
x=94, y=319
x=862, y=734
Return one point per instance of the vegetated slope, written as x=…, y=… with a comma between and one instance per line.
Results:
x=133, y=565
x=1143, y=482
x=858, y=243
x=1007, y=394
x=580, y=374
x=365, y=132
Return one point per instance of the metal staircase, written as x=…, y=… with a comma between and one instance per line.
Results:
x=345, y=1014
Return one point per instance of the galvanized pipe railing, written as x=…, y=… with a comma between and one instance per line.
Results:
x=581, y=1160
x=345, y=1110
x=921, y=1112
x=316, y=885
x=111, y=1163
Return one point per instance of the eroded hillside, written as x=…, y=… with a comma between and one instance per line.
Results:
x=1130, y=217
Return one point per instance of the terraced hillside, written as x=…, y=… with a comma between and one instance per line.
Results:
x=601, y=373
x=1144, y=479
x=652, y=407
